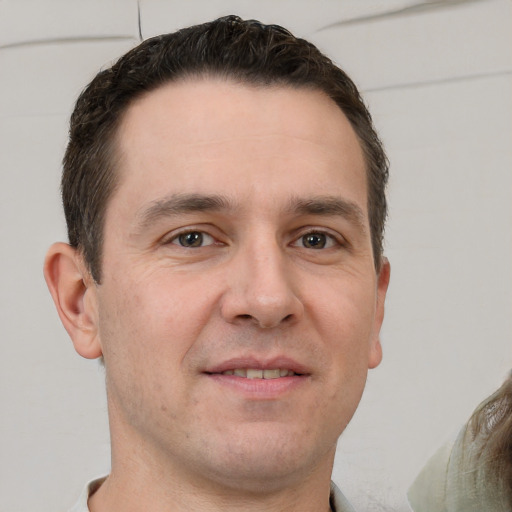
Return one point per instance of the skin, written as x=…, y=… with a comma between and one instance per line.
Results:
x=280, y=274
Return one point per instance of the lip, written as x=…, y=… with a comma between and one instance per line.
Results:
x=259, y=364
x=259, y=389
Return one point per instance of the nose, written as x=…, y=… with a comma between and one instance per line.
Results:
x=261, y=289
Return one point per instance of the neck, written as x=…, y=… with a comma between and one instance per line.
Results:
x=123, y=493
x=150, y=477
x=136, y=484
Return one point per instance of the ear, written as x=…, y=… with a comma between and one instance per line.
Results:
x=382, y=288
x=74, y=293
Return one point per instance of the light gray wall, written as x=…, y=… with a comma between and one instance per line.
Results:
x=437, y=76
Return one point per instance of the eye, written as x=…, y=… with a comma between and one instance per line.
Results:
x=316, y=240
x=192, y=239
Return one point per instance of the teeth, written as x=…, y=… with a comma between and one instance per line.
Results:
x=254, y=373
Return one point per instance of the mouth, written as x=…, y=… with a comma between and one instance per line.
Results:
x=259, y=379
x=258, y=373
x=258, y=384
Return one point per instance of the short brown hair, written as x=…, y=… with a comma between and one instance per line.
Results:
x=244, y=51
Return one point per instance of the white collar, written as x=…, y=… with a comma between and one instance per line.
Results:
x=341, y=503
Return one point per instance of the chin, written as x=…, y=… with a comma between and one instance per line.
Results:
x=267, y=461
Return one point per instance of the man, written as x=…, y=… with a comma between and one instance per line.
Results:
x=224, y=193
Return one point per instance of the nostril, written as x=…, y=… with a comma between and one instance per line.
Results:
x=287, y=317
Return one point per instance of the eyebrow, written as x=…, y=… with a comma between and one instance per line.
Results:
x=177, y=204
x=329, y=206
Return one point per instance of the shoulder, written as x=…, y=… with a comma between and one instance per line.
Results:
x=89, y=489
x=456, y=479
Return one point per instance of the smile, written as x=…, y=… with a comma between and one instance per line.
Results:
x=259, y=380
x=254, y=373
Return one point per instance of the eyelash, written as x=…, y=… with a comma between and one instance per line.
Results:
x=175, y=238
x=335, y=241
x=331, y=239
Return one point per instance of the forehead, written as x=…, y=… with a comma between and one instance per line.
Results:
x=256, y=143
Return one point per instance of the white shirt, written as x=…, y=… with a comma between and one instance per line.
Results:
x=341, y=503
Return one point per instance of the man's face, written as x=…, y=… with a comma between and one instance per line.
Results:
x=240, y=308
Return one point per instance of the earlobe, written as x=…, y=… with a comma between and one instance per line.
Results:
x=74, y=294
x=382, y=288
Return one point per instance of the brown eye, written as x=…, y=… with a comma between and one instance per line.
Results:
x=193, y=239
x=314, y=240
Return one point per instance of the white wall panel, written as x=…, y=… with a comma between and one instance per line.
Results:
x=46, y=78
x=30, y=21
x=454, y=40
x=301, y=16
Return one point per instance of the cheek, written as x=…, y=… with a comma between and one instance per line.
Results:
x=152, y=320
x=345, y=316
x=141, y=350
x=344, y=319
